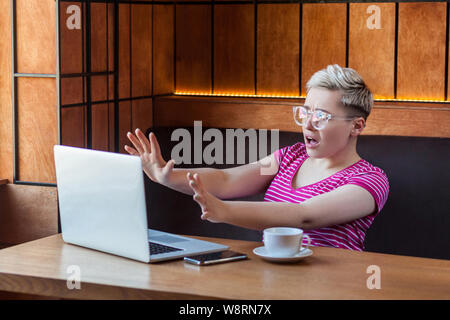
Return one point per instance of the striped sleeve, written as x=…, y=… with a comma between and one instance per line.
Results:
x=277, y=155
x=376, y=182
x=280, y=153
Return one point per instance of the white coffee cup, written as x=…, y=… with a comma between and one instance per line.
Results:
x=284, y=241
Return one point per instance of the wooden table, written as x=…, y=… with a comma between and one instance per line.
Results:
x=41, y=267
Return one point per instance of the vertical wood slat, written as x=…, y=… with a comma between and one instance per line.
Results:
x=323, y=38
x=142, y=114
x=99, y=84
x=193, y=48
x=6, y=144
x=71, y=60
x=163, y=49
x=234, y=48
x=111, y=44
x=111, y=80
x=99, y=62
x=372, y=51
x=141, y=50
x=278, y=49
x=36, y=121
x=100, y=127
x=124, y=51
x=421, y=51
x=70, y=41
x=36, y=36
x=73, y=127
x=124, y=124
x=71, y=90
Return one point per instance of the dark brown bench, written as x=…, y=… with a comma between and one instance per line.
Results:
x=415, y=220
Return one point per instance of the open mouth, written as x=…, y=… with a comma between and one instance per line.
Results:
x=311, y=142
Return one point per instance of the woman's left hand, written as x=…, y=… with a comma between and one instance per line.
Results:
x=213, y=209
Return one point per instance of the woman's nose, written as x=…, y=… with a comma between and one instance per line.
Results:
x=308, y=124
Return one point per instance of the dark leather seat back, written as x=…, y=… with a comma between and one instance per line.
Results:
x=415, y=220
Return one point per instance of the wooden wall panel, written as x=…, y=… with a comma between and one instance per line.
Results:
x=421, y=50
x=73, y=127
x=6, y=148
x=101, y=114
x=323, y=38
x=142, y=114
x=133, y=115
x=163, y=50
x=99, y=86
x=100, y=127
x=193, y=48
x=111, y=120
x=396, y=119
x=36, y=123
x=141, y=49
x=36, y=36
x=234, y=49
x=111, y=40
x=99, y=56
x=224, y=113
x=409, y=122
x=28, y=213
x=71, y=90
x=124, y=124
x=278, y=49
x=124, y=51
x=71, y=41
x=372, y=51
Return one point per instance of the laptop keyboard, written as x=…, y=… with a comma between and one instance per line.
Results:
x=156, y=248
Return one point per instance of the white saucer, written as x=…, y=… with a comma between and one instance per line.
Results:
x=261, y=252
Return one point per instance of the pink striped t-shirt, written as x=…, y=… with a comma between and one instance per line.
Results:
x=349, y=235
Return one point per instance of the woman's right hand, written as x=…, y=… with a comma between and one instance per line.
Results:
x=148, y=150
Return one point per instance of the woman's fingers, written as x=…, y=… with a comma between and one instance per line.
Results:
x=202, y=197
x=131, y=151
x=194, y=186
x=143, y=140
x=155, y=147
x=169, y=166
x=199, y=193
x=198, y=181
x=136, y=143
x=201, y=201
x=195, y=182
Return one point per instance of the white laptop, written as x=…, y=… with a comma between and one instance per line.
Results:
x=102, y=207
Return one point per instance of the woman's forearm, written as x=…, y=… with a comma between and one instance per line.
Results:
x=213, y=179
x=261, y=215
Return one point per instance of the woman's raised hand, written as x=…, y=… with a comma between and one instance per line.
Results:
x=148, y=150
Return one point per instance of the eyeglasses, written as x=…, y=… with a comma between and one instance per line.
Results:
x=319, y=118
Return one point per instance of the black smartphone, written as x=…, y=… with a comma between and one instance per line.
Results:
x=215, y=257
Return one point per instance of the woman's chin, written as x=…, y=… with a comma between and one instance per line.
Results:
x=312, y=153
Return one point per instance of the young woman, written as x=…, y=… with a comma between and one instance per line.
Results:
x=321, y=184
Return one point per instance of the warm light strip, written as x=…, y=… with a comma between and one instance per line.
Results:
x=235, y=95
x=291, y=97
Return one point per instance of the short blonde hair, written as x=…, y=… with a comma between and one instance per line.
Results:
x=356, y=96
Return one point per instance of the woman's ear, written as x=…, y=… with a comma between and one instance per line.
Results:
x=358, y=126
